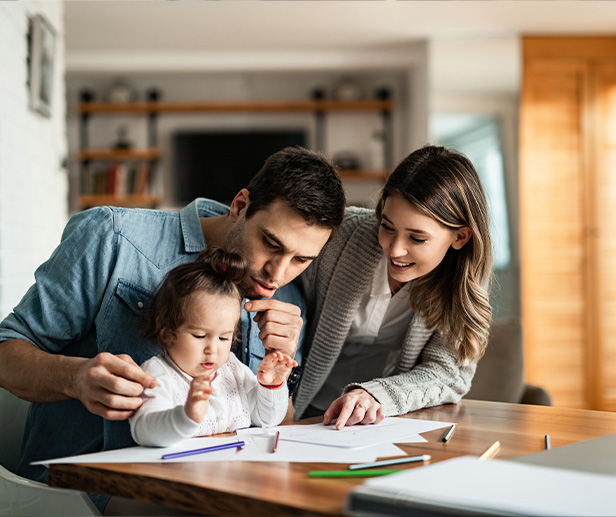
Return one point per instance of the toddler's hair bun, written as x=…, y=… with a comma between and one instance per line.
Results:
x=232, y=266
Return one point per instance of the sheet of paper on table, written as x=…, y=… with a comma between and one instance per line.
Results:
x=259, y=443
x=258, y=448
x=391, y=430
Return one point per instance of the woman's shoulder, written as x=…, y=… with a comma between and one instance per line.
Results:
x=360, y=224
x=358, y=214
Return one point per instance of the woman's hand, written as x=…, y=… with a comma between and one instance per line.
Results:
x=354, y=407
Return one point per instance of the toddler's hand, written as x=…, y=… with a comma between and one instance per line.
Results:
x=198, y=398
x=274, y=369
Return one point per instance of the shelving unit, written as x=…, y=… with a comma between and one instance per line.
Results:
x=151, y=154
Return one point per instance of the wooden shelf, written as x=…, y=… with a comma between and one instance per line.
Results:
x=364, y=174
x=151, y=153
x=118, y=154
x=265, y=106
x=127, y=201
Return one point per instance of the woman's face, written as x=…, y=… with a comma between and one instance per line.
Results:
x=413, y=243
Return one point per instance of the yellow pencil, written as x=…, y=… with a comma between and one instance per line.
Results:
x=490, y=451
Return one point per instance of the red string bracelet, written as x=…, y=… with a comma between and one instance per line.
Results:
x=273, y=387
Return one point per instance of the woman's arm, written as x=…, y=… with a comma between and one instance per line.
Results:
x=435, y=379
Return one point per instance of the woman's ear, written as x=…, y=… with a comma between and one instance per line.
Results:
x=239, y=204
x=463, y=235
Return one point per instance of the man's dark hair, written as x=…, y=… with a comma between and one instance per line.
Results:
x=307, y=181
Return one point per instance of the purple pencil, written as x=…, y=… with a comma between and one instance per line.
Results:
x=204, y=449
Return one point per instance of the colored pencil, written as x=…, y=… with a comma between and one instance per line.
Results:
x=350, y=473
x=384, y=463
x=490, y=451
x=203, y=450
x=448, y=434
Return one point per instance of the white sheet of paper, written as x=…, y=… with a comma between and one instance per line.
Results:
x=390, y=430
x=262, y=443
x=505, y=486
x=258, y=447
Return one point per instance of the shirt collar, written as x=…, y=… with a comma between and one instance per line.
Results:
x=194, y=240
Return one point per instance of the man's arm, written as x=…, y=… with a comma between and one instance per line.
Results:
x=107, y=385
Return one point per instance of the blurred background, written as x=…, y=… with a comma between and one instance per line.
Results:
x=153, y=103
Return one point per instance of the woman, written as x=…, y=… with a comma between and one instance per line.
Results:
x=399, y=298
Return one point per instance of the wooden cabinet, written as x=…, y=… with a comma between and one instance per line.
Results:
x=152, y=110
x=567, y=218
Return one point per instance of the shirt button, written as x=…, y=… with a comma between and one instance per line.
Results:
x=245, y=350
x=140, y=305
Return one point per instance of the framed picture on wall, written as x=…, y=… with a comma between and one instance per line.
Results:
x=42, y=54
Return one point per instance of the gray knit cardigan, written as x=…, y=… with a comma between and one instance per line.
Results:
x=427, y=374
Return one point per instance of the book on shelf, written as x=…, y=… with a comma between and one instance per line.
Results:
x=118, y=178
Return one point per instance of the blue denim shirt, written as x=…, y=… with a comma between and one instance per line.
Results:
x=87, y=298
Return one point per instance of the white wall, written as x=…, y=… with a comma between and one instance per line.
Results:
x=33, y=184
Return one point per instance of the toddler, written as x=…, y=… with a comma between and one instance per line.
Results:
x=203, y=388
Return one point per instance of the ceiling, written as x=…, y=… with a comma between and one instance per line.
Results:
x=472, y=41
x=150, y=25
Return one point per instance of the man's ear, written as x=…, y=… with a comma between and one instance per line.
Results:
x=239, y=204
x=463, y=235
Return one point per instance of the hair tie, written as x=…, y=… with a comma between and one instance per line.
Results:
x=223, y=267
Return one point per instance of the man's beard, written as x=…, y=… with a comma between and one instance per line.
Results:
x=234, y=244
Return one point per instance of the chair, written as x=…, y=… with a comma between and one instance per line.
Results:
x=499, y=375
x=23, y=497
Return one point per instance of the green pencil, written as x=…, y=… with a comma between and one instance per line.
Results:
x=350, y=473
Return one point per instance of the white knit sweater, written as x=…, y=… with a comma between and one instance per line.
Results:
x=428, y=373
x=237, y=402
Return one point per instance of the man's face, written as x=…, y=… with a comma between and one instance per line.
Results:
x=278, y=245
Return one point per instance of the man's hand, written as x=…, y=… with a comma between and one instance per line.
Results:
x=280, y=324
x=110, y=385
x=354, y=407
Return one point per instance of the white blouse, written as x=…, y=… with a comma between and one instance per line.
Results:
x=237, y=402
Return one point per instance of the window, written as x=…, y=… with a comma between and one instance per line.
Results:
x=478, y=137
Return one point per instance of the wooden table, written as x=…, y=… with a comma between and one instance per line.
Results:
x=278, y=488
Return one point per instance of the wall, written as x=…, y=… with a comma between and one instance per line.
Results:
x=33, y=182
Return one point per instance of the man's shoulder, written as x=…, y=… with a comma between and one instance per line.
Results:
x=125, y=220
x=156, y=234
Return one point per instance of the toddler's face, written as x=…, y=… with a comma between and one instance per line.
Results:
x=202, y=344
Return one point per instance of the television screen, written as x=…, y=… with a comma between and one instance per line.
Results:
x=218, y=164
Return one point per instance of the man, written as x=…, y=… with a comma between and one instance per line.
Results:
x=72, y=345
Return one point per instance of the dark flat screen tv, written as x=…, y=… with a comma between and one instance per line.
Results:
x=218, y=164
